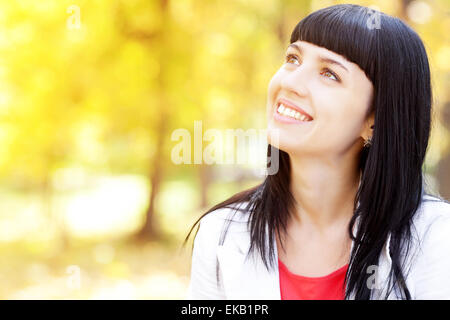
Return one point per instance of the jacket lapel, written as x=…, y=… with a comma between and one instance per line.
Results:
x=246, y=278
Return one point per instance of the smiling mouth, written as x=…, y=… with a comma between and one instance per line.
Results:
x=291, y=113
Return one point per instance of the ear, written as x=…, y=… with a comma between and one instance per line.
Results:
x=368, y=126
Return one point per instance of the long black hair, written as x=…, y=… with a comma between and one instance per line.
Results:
x=391, y=188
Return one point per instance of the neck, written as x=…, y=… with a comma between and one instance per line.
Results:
x=324, y=190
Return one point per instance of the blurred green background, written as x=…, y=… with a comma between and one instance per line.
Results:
x=91, y=205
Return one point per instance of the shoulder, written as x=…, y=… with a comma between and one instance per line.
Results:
x=433, y=212
x=227, y=220
x=431, y=223
x=237, y=215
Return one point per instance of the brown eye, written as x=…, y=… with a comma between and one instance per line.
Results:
x=290, y=57
x=335, y=77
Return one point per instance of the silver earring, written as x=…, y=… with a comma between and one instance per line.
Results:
x=368, y=142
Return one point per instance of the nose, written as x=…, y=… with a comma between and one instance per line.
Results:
x=296, y=81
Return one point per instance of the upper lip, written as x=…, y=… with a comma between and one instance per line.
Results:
x=291, y=105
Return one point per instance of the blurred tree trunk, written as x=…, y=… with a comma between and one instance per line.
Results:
x=150, y=230
x=156, y=42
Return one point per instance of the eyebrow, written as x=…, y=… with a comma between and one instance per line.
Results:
x=322, y=59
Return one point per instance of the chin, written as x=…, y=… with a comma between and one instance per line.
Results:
x=285, y=143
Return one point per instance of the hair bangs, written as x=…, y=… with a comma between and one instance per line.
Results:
x=345, y=30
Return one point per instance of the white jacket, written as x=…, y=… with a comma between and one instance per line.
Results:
x=240, y=279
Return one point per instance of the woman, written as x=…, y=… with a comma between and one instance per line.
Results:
x=346, y=215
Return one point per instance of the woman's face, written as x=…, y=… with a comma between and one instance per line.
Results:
x=334, y=97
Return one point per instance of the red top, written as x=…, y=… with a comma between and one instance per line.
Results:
x=296, y=287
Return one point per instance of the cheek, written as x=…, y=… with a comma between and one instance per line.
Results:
x=341, y=115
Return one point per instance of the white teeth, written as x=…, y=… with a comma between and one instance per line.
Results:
x=291, y=113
